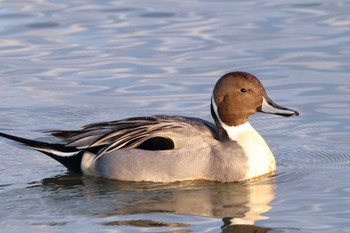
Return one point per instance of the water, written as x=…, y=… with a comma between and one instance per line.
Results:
x=64, y=64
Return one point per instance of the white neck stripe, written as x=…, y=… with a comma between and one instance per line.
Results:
x=232, y=131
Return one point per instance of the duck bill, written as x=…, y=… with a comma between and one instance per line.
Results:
x=268, y=106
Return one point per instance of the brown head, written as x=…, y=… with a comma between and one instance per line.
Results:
x=237, y=95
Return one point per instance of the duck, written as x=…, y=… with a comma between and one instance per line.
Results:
x=171, y=148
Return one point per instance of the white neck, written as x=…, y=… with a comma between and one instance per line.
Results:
x=233, y=132
x=261, y=160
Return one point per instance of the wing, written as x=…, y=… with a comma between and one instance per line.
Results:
x=148, y=133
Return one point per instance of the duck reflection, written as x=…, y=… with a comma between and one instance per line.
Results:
x=239, y=205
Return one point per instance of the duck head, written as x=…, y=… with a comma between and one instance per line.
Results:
x=237, y=95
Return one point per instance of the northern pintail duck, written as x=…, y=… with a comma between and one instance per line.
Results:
x=175, y=148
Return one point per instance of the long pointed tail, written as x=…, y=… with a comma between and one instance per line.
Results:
x=70, y=157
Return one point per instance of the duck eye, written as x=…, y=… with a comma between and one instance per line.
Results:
x=243, y=89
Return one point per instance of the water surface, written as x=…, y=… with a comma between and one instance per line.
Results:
x=64, y=64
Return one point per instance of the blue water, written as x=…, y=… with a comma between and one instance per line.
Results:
x=64, y=64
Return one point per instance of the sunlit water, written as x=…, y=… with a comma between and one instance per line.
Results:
x=64, y=64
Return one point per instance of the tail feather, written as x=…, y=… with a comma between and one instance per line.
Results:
x=70, y=157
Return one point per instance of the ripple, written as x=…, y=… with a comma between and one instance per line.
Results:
x=158, y=15
x=15, y=16
x=144, y=223
x=117, y=10
x=317, y=157
x=43, y=25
